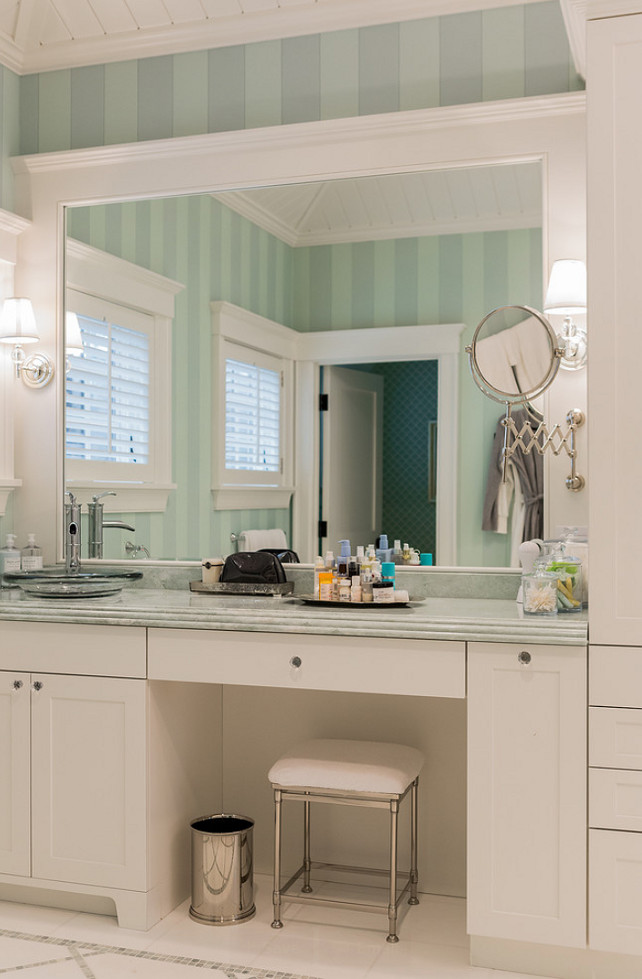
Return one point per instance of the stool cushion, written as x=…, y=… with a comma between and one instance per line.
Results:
x=348, y=766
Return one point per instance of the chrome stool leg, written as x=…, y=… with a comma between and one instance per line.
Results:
x=392, y=899
x=306, y=889
x=414, y=875
x=276, y=894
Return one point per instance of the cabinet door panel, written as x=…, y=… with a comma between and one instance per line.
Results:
x=15, y=774
x=89, y=797
x=615, y=737
x=615, y=882
x=527, y=793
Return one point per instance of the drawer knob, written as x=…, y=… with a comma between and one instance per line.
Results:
x=17, y=684
x=524, y=657
x=36, y=685
x=295, y=662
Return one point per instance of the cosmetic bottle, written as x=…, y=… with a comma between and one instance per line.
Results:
x=406, y=554
x=344, y=557
x=9, y=559
x=325, y=586
x=31, y=555
x=383, y=551
x=397, y=553
x=319, y=566
x=356, y=594
x=345, y=590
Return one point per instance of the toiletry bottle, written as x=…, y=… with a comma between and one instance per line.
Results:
x=397, y=553
x=356, y=594
x=9, y=559
x=329, y=560
x=366, y=585
x=382, y=550
x=344, y=558
x=360, y=556
x=31, y=555
x=406, y=554
x=345, y=589
x=325, y=586
x=319, y=566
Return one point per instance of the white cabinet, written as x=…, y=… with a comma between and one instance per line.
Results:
x=72, y=779
x=15, y=774
x=614, y=72
x=527, y=793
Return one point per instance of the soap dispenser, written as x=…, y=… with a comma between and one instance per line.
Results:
x=31, y=555
x=9, y=559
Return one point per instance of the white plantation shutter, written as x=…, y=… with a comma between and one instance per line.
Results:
x=252, y=417
x=107, y=395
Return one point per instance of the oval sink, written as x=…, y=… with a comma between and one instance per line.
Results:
x=60, y=583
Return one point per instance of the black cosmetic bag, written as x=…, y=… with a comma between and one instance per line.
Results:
x=284, y=556
x=253, y=567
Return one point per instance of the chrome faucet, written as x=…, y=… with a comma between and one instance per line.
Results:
x=96, y=525
x=72, y=534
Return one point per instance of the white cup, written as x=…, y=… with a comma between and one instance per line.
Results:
x=212, y=567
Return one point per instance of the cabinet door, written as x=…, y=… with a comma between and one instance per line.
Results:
x=614, y=129
x=15, y=774
x=527, y=793
x=88, y=780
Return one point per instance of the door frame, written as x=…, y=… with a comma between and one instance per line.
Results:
x=440, y=342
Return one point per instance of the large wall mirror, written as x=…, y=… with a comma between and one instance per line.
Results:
x=375, y=254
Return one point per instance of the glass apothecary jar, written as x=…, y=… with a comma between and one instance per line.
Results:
x=539, y=592
x=568, y=570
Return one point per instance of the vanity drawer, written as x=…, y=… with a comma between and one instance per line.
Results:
x=86, y=650
x=615, y=799
x=615, y=676
x=615, y=885
x=615, y=737
x=368, y=665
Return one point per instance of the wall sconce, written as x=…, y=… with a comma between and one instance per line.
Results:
x=73, y=338
x=18, y=326
x=566, y=296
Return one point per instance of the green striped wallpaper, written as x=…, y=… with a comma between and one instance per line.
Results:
x=220, y=255
x=502, y=53
x=9, y=133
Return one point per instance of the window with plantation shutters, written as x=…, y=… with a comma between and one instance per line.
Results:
x=107, y=397
x=117, y=396
x=252, y=417
x=253, y=423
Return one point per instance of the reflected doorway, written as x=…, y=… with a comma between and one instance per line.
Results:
x=378, y=454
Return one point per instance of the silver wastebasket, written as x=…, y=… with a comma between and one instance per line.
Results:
x=222, y=869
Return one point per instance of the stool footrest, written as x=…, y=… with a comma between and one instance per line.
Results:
x=354, y=905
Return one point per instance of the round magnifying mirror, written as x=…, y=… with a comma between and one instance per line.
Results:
x=514, y=355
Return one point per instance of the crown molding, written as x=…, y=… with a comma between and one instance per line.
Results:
x=244, y=28
x=391, y=125
x=574, y=13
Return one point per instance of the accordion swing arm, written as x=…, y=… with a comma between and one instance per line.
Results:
x=557, y=439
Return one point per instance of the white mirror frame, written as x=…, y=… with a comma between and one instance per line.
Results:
x=542, y=128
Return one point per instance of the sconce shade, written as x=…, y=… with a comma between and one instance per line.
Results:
x=17, y=322
x=73, y=336
x=566, y=292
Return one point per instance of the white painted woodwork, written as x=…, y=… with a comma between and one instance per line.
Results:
x=65, y=648
x=615, y=737
x=15, y=774
x=352, y=468
x=615, y=676
x=615, y=886
x=614, y=256
x=615, y=799
x=395, y=666
x=89, y=780
x=527, y=793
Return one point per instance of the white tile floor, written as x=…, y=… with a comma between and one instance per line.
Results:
x=325, y=943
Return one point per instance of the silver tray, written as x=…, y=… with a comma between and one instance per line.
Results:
x=311, y=600
x=242, y=588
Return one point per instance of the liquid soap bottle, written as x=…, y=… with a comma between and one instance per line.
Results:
x=9, y=559
x=31, y=555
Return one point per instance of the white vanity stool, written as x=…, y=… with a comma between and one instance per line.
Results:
x=349, y=773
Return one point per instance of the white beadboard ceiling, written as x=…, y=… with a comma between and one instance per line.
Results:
x=433, y=202
x=41, y=35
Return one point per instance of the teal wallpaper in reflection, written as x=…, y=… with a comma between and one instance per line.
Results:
x=504, y=53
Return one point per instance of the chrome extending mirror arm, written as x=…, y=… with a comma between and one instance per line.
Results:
x=542, y=439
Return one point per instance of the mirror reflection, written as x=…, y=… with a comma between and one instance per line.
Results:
x=440, y=247
x=513, y=354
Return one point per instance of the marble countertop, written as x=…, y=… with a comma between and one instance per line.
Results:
x=482, y=619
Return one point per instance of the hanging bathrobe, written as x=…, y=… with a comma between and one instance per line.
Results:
x=523, y=471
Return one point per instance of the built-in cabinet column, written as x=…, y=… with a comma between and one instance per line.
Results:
x=614, y=91
x=527, y=793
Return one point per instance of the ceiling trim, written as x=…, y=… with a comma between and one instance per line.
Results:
x=244, y=28
x=574, y=13
x=388, y=125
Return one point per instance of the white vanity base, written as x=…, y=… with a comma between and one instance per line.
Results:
x=551, y=960
x=135, y=910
